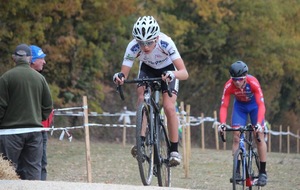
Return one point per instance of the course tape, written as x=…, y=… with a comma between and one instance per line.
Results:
x=193, y=121
x=276, y=133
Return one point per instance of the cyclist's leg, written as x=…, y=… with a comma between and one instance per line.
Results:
x=140, y=95
x=169, y=105
x=262, y=150
x=172, y=123
x=239, y=118
x=172, y=120
x=145, y=71
x=261, y=146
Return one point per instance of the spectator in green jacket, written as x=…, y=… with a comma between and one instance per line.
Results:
x=25, y=101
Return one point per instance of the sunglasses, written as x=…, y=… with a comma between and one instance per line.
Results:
x=238, y=78
x=147, y=43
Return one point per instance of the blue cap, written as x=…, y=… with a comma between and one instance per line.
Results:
x=37, y=53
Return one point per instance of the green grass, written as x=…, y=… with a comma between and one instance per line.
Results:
x=113, y=164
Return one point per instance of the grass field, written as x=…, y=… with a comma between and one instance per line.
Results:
x=113, y=164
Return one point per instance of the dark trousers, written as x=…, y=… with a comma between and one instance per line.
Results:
x=44, y=157
x=25, y=151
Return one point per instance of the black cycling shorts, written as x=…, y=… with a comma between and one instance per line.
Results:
x=147, y=71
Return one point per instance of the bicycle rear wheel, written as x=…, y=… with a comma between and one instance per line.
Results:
x=162, y=148
x=145, y=149
x=238, y=173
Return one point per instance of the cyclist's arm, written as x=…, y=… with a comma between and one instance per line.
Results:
x=125, y=70
x=224, y=103
x=130, y=55
x=181, y=72
x=168, y=46
x=259, y=98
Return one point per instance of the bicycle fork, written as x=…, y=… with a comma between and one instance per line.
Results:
x=247, y=178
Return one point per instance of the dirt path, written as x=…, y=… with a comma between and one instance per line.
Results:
x=113, y=164
x=55, y=185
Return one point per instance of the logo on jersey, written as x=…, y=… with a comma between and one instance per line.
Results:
x=128, y=57
x=171, y=52
x=164, y=44
x=135, y=48
x=156, y=62
x=157, y=56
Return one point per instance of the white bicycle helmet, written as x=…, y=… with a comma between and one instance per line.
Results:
x=146, y=28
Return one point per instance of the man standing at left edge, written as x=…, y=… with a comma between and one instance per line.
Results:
x=25, y=101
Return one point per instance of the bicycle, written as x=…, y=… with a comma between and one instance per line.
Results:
x=153, y=152
x=247, y=174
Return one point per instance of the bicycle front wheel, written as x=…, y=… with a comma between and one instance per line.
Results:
x=145, y=150
x=253, y=168
x=163, y=169
x=238, y=173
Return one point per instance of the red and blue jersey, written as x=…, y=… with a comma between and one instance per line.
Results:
x=248, y=100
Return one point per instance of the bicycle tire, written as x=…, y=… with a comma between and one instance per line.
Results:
x=238, y=182
x=145, y=150
x=253, y=168
x=162, y=150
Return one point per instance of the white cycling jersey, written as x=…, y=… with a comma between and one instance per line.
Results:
x=164, y=53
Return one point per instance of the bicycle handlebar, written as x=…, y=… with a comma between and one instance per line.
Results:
x=241, y=129
x=141, y=80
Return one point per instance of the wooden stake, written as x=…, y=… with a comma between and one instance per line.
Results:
x=280, y=138
x=269, y=140
x=298, y=141
x=288, y=140
x=188, y=140
x=87, y=140
x=188, y=130
x=216, y=132
x=183, y=139
x=124, y=131
x=202, y=133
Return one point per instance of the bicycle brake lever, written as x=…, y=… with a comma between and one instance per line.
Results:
x=222, y=136
x=169, y=90
x=120, y=90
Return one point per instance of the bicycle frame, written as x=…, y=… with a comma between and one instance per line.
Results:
x=153, y=160
x=246, y=155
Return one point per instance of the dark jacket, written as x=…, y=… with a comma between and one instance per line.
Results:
x=25, y=98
